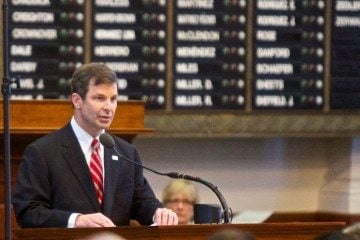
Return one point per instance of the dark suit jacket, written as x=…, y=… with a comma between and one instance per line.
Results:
x=54, y=181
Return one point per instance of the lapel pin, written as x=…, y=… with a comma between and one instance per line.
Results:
x=114, y=157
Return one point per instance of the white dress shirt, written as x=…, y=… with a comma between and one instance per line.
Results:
x=85, y=140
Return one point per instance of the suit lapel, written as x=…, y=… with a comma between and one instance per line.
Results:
x=112, y=168
x=74, y=156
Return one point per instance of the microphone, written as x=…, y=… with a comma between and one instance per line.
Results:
x=108, y=141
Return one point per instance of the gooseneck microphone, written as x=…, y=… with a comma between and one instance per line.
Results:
x=108, y=141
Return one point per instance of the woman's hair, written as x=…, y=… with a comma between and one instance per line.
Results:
x=104, y=235
x=232, y=234
x=336, y=235
x=180, y=186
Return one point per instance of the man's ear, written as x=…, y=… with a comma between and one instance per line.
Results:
x=76, y=100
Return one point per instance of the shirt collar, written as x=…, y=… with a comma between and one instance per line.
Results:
x=84, y=137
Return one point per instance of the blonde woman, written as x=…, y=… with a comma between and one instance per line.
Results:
x=180, y=196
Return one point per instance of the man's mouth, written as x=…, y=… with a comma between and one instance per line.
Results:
x=105, y=118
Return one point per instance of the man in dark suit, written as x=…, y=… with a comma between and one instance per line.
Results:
x=59, y=185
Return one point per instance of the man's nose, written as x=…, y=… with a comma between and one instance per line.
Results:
x=108, y=104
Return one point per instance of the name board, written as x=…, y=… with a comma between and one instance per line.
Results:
x=345, y=57
x=130, y=37
x=209, y=54
x=46, y=46
x=194, y=54
x=288, y=54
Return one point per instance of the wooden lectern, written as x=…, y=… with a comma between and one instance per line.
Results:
x=30, y=120
x=265, y=231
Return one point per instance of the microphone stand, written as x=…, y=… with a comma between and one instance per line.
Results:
x=227, y=213
x=7, y=81
x=108, y=142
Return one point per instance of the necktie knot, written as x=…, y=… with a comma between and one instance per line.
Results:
x=95, y=144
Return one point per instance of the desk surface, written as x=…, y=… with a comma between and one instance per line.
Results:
x=266, y=231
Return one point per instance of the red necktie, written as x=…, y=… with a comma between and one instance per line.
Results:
x=96, y=170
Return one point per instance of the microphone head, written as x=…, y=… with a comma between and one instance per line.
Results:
x=107, y=140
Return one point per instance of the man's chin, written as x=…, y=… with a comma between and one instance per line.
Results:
x=105, y=125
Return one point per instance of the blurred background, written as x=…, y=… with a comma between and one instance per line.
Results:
x=260, y=98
